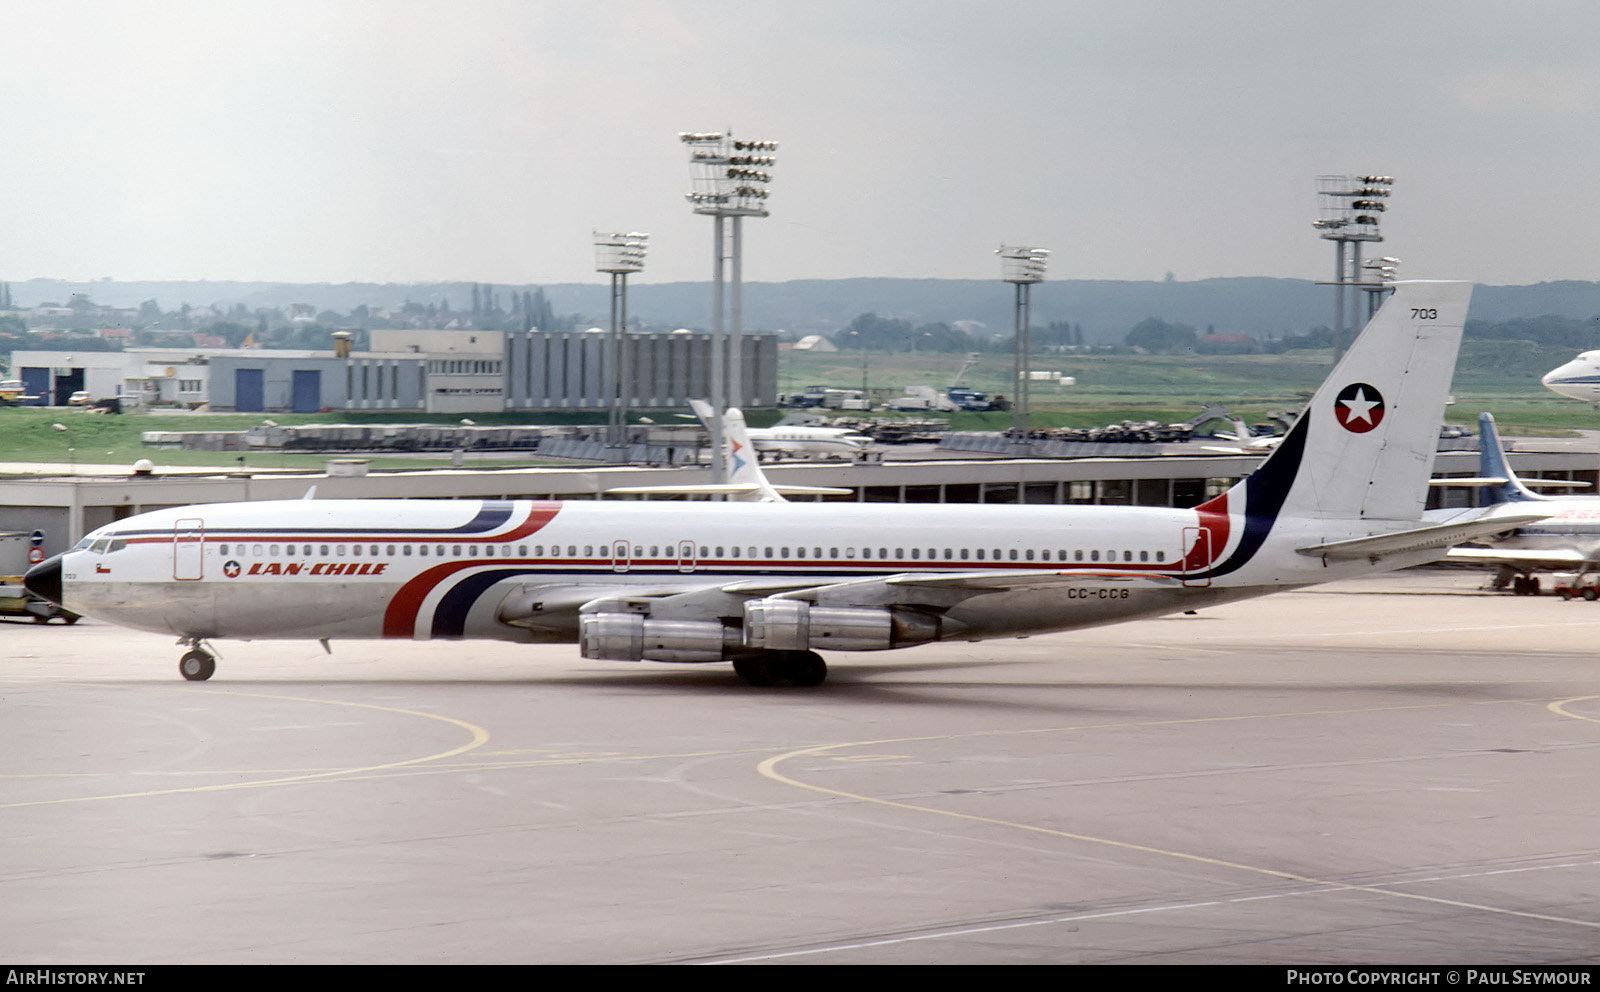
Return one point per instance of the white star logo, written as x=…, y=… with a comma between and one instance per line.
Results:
x=1359, y=407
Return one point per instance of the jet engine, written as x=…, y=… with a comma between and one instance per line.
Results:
x=634, y=637
x=793, y=625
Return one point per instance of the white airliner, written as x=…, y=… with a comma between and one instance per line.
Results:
x=1579, y=378
x=798, y=439
x=1246, y=442
x=768, y=584
x=794, y=439
x=1567, y=540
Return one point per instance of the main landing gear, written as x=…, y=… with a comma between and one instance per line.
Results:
x=197, y=664
x=801, y=669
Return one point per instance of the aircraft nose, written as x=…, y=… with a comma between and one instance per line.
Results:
x=44, y=580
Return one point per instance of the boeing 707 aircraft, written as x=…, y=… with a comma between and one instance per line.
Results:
x=1567, y=540
x=767, y=584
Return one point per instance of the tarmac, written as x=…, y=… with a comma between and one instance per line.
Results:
x=1398, y=770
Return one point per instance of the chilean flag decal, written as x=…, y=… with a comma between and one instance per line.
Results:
x=1359, y=408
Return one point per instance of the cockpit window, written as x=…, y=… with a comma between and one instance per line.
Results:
x=117, y=544
x=83, y=544
x=99, y=547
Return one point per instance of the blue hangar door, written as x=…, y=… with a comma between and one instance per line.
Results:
x=307, y=390
x=247, y=391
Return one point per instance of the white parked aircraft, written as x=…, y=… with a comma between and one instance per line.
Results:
x=798, y=439
x=1579, y=378
x=794, y=439
x=1567, y=540
x=766, y=585
x=1246, y=442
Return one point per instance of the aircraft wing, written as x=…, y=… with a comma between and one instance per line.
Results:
x=936, y=591
x=1526, y=558
x=1424, y=538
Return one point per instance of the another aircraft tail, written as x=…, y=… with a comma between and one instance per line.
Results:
x=1505, y=487
x=1363, y=449
x=744, y=468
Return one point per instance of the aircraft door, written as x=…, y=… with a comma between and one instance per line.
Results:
x=1196, y=556
x=619, y=556
x=685, y=556
x=188, y=549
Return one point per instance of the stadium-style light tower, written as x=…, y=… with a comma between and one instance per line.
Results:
x=1350, y=206
x=618, y=254
x=730, y=180
x=1022, y=266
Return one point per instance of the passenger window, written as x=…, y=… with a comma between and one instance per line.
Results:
x=472, y=550
x=1029, y=554
x=405, y=549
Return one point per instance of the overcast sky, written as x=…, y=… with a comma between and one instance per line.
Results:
x=394, y=141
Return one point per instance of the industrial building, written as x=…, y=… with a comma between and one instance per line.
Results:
x=456, y=371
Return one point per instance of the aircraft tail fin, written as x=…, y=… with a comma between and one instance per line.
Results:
x=744, y=468
x=1492, y=464
x=1363, y=449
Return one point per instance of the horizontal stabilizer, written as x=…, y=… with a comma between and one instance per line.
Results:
x=1500, y=480
x=1423, y=538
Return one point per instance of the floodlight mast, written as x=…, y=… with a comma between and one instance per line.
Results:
x=730, y=178
x=1350, y=207
x=618, y=254
x=1022, y=266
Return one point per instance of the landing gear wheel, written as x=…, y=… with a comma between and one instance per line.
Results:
x=804, y=669
x=801, y=669
x=760, y=670
x=197, y=666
